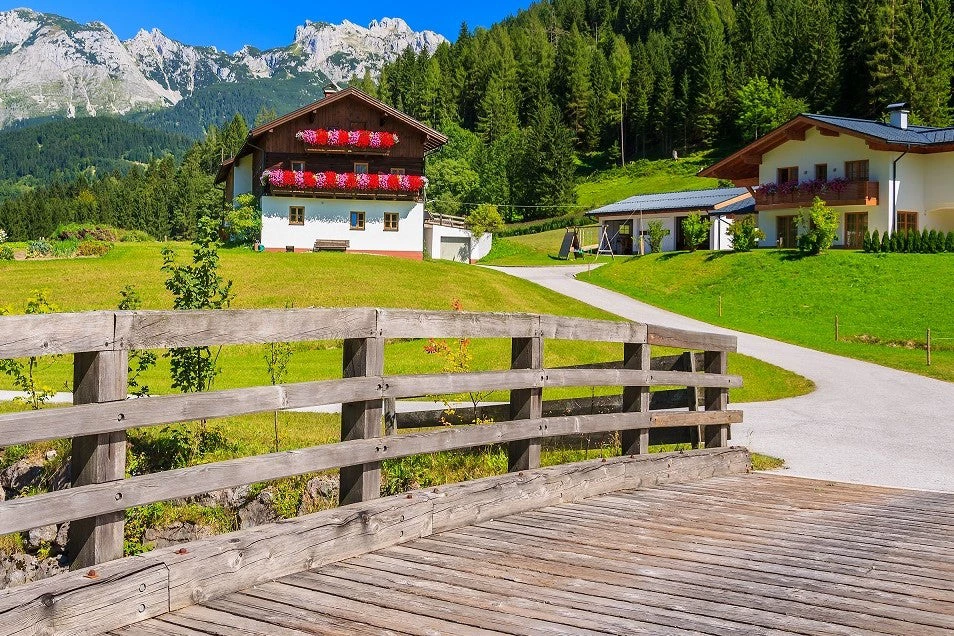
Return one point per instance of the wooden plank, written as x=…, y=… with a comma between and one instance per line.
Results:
x=612, y=535
x=48, y=334
x=31, y=512
x=525, y=404
x=504, y=611
x=683, y=339
x=716, y=399
x=119, y=593
x=361, y=420
x=636, y=356
x=394, y=597
x=672, y=543
x=210, y=568
x=557, y=545
x=98, y=376
x=216, y=622
x=565, y=328
x=94, y=419
x=609, y=614
x=409, y=323
x=697, y=601
x=166, y=329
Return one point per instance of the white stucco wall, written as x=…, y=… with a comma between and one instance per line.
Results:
x=330, y=219
x=719, y=238
x=243, y=176
x=479, y=247
x=835, y=151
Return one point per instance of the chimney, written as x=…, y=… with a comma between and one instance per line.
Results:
x=898, y=114
x=330, y=89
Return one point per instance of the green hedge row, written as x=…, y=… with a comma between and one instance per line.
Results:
x=909, y=242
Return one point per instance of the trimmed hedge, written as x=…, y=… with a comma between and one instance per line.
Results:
x=909, y=242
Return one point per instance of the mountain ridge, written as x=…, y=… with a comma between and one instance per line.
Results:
x=51, y=65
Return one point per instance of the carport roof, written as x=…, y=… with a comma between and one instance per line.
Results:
x=713, y=201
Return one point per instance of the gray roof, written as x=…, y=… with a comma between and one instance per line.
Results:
x=701, y=200
x=915, y=135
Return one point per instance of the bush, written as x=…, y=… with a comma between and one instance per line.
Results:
x=6, y=253
x=38, y=248
x=656, y=233
x=85, y=232
x=866, y=242
x=93, y=248
x=914, y=242
x=64, y=249
x=819, y=225
x=484, y=218
x=875, y=242
x=745, y=233
x=949, y=242
x=696, y=230
x=134, y=236
x=885, y=242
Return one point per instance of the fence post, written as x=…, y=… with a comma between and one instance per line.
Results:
x=98, y=376
x=635, y=398
x=526, y=353
x=929, y=346
x=694, y=394
x=836, y=327
x=717, y=399
x=361, y=420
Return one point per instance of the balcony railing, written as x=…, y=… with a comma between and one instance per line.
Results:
x=772, y=196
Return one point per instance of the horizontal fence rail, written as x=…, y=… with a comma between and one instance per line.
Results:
x=101, y=415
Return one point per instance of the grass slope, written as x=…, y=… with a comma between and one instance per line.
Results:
x=333, y=280
x=884, y=302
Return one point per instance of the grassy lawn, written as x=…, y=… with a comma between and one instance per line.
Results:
x=644, y=177
x=884, y=302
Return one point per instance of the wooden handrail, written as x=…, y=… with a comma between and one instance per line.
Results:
x=100, y=499
x=101, y=339
x=30, y=335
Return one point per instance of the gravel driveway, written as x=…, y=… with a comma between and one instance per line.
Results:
x=864, y=424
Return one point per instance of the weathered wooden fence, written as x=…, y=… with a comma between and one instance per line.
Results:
x=97, y=423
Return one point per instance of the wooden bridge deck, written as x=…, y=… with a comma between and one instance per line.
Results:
x=742, y=554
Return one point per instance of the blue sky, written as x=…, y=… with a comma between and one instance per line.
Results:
x=266, y=23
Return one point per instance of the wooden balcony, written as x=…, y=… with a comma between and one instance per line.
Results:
x=845, y=193
x=382, y=195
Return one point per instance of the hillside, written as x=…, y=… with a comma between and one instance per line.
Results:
x=884, y=302
x=99, y=145
x=218, y=103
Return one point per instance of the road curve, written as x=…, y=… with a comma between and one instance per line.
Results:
x=864, y=424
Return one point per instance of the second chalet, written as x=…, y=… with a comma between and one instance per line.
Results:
x=346, y=173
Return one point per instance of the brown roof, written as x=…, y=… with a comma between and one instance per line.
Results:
x=432, y=139
x=744, y=164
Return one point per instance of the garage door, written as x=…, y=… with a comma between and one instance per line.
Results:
x=455, y=248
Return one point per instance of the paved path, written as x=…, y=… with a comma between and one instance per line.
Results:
x=864, y=424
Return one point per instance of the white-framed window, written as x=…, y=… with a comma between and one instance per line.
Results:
x=298, y=166
x=357, y=221
x=391, y=220
x=361, y=167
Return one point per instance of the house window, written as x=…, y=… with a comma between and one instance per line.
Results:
x=296, y=215
x=907, y=221
x=357, y=220
x=786, y=229
x=298, y=166
x=856, y=170
x=361, y=167
x=856, y=224
x=391, y=221
x=397, y=170
x=821, y=171
x=787, y=174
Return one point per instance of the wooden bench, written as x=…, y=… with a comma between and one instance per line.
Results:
x=331, y=245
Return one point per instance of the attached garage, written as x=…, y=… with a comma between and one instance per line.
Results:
x=455, y=248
